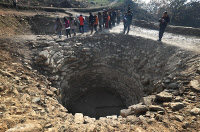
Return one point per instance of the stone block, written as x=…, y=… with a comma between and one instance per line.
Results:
x=173, y=86
x=138, y=109
x=78, y=118
x=86, y=49
x=26, y=128
x=195, y=111
x=176, y=106
x=125, y=112
x=44, y=54
x=156, y=108
x=195, y=85
x=149, y=100
x=164, y=96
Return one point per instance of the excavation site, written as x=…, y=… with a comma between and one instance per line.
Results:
x=103, y=81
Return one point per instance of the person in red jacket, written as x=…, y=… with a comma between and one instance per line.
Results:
x=81, y=26
x=96, y=22
x=67, y=26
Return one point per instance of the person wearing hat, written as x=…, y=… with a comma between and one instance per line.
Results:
x=164, y=20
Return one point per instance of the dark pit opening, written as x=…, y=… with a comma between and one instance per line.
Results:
x=100, y=102
x=100, y=91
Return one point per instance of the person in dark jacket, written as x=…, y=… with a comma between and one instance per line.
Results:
x=118, y=16
x=15, y=4
x=129, y=8
x=125, y=22
x=91, y=22
x=59, y=27
x=129, y=20
x=104, y=17
x=100, y=20
x=163, y=24
x=114, y=15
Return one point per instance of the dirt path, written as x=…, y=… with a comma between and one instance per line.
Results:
x=113, y=3
x=189, y=43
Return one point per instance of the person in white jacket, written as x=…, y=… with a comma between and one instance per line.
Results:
x=73, y=24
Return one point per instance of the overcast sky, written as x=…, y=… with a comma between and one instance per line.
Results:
x=147, y=1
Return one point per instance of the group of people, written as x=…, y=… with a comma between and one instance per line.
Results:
x=69, y=24
x=106, y=19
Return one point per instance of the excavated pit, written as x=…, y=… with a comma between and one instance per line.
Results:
x=99, y=92
x=102, y=74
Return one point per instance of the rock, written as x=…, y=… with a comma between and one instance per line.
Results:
x=156, y=108
x=112, y=117
x=148, y=100
x=167, y=81
x=132, y=119
x=54, y=90
x=179, y=118
x=15, y=92
x=198, y=70
x=125, y=112
x=86, y=49
x=89, y=120
x=178, y=99
x=176, y=106
x=1, y=88
x=48, y=125
x=36, y=100
x=173, y=86
x=26, y=128
x=2, y=107
x=185, y=125
x=49, y=93
x=78, y=118
x=164, y=96
x=195, y=111
x=38, y=59
x=138, y=109
x=44, y=54
x=165, y=104
x=195, y=85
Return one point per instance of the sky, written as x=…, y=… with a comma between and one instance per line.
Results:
x=147, y=1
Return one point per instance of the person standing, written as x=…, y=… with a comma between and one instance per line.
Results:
x=72, y=25
x=118, y=16
x=104, y=17
x=129, y=8
x=59, y=27
x=100, y=20
x=95, y=22
x=114, y=15
x=91, y=22
x=15, y=4
x=125, y=22
x=107, y=18
x=67, y=26
x=110, y=18
x=129, y=20
x=81, y=25
x=164, y=20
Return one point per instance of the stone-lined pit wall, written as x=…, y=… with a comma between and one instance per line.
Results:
x=129, y=67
